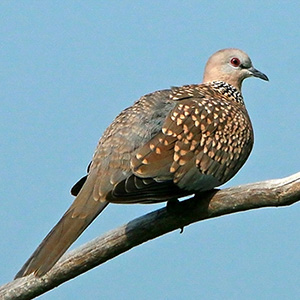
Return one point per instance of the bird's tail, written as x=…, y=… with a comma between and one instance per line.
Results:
x=76, y=219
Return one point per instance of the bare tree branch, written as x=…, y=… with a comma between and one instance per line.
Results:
x=280, y=192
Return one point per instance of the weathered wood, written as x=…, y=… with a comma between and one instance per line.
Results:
x=279, y=192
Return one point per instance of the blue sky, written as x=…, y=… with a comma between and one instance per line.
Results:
x=68, y=68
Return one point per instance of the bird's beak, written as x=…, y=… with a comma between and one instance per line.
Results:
x=258, y=74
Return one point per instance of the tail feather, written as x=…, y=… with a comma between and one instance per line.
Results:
x=76, y=219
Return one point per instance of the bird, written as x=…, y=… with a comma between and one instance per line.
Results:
x=169, y=144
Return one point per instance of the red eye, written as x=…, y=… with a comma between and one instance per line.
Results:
x=235, y=62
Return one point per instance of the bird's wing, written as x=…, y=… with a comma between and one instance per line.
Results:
x=133, y=127
x=204, y=141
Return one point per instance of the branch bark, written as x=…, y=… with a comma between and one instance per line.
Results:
x=271, y=193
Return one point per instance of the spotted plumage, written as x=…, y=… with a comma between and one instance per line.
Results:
x=168, y=144
x=210, y=135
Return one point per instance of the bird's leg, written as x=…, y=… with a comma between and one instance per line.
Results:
x=174, y=207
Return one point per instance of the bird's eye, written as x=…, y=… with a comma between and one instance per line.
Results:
x=235, y=62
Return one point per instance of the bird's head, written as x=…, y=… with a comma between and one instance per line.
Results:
x=232, y=66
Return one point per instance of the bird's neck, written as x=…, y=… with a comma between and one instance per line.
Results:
x=227, y=90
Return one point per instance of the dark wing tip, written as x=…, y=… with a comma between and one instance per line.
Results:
x=78, y=185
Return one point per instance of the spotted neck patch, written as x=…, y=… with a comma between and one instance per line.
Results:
x=227, y=90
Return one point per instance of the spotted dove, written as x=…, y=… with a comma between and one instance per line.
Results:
x=168, y=144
